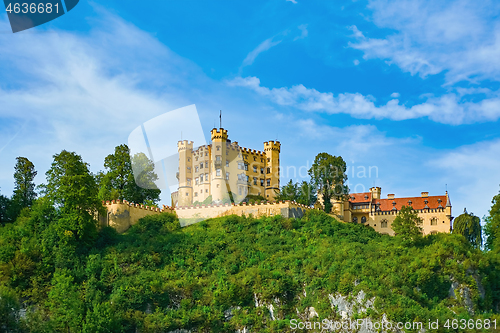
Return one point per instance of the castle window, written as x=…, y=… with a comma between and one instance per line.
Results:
x=217, y=172
x=189, y=169
x=262, y=182
x=245, y=157
x=195, y=194
x=217, y=158
x=206, y=164
x=261, y=160
x=227, y=163
x=363, y=219
x=383, y=224
x=201, y=165
x=255, y=158
x=196, y=169
x=255, y=180
x=262, y=171
x=187, y=194
x=248, y=179
x=201, y=178
x=246, y=167
x=269, y=182
x=268, y=159
x=206, y=191
x=239, y=190
x=434, y=221
x=189, y=181
x=206, y=153
x=196, y=158
x=254, y=168
x=218, y=148
x=189, y=159
x=206, y=177
x=355, y=219
x=227, y=175
x=268, y=170
x=196, y=181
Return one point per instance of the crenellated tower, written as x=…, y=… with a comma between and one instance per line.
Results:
x=272, y=151
x=185, y=194
x=218, y=186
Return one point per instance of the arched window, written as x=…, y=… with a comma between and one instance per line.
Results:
x=434, y=221
x=383, y=223
x=355, y=219
x=363, y=219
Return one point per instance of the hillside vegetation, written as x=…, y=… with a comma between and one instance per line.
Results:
x=230, y=273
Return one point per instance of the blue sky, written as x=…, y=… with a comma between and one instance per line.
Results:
x=409, y=88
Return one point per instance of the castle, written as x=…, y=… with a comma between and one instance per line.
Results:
x=370, y=209
x=212, y=171
x=208, y=174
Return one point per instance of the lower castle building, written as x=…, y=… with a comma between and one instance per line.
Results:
x=370, y=209
x=223, y=166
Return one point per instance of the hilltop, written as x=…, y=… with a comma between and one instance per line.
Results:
x=235, y=273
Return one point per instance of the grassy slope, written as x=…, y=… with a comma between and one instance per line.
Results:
x=158, y=277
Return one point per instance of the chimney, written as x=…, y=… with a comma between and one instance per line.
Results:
x=425, y=194
x=390, y=196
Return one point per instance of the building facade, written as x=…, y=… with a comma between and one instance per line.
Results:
x=223, y=166
x=370, y=209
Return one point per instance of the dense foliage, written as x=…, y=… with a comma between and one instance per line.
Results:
x=492, y=228
x=408, y=225
x=328, y=176
x=209, y=276
x=301, y=192
x=469, y=226
x=123, y=174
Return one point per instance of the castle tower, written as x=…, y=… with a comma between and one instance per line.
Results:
x=376, y=193
x=185, y=193
x=272, y=182
x=218, y=158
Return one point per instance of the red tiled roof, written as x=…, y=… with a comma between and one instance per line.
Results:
x=360, y=197
x=416, y=202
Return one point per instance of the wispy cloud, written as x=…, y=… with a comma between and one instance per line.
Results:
x=459, y=38
x=448, y=108
x=304, y=33
x=264, y=46
x=292, y=1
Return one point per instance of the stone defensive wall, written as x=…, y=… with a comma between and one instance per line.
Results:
x=122, y=214
x=288, y=209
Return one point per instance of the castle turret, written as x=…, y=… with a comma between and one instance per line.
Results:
x=185, y=193
x=272, y=182
x=376, y=193
x=218, y=158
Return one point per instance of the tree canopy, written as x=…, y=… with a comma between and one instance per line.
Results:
x=24, y=185
x=128, y=179
x=492, y=228
x=407, y=224
x=328, y=176
x=469, y=226
x=301, y=192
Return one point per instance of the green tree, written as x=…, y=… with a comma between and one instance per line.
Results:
x=4, y=209
x=469, y=226
x=328, y=176
x=24, y=186
x=407, y=224
x=65, y=304
x=74, y=191
x=492, y=228
x=302, y=193
x=128, y=179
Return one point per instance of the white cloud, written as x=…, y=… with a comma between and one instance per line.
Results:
x=473, y=175
x=264, y=46
x=460, y=38
x=304, y=33
x=292, y=1
x=448, y=108
x=395, y=95
x=84, y=92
